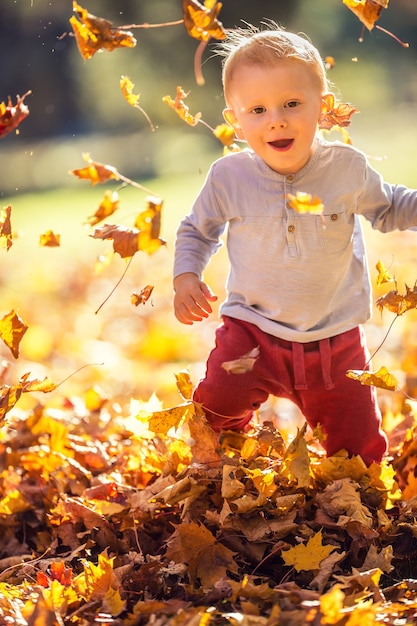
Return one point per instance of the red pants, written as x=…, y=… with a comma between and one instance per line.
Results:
x=312, y=375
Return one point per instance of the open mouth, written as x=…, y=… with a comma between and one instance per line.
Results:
x=281, y=144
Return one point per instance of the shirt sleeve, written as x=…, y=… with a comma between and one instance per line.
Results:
x=388, y=207
x=199, y=233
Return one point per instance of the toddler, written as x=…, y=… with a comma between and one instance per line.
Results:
x=298, y=286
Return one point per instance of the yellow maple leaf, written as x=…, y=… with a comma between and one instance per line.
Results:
x=127, y=87
x=383, y=275
x=306, y=557
x=12, y=329
x=305, y=203
x=382, y=378
x=49, y=239
x=184, y=384
x=225, y=134
x=160, y=422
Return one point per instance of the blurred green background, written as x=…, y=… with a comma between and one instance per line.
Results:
x=77, y=107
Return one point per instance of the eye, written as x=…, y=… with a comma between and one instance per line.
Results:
x=258, y=110
x=291, y=104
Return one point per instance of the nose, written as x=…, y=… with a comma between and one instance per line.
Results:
x=277, y=119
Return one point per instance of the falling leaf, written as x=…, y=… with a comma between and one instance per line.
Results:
x=184, y=384
x=336, y=115
x=368, y=11
x=305, y=203
x=383, y=275
x=127, y=87
x=6, y=226
x=307, y=557
x=382, y=378
x=225, y=134
x=398, y=304
x=143, y=296
x=94, y=34
x=12, y=115
x=125, y=240
x=96, y=172
x=201, y=21
x=329, y=62
x=50, y=239
x=107, y=207
x=243, y=364
x=181, y=108
x=12, y=329
x=149, y=224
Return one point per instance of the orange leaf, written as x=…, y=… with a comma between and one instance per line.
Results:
x=305, y=203
x=107, y=207
x=382, y=378
x=398, y=304
x=336, y=115
x=12, y=115
x=143, y=296
x=50, y=239
x=12, y=329
x=368, y=11
x=201, y=21
x=93, y=34
x=96, y=172
x=182, y=109
x=6, y=226
x=149, y=224
x=125, y=240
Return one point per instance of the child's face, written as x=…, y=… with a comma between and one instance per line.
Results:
x=276, y=109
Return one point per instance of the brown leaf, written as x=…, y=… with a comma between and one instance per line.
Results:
x=12, y=115
x=336, y=115
x=398, y=304
x=143, y=296
x=93, y=34
x=125, y=240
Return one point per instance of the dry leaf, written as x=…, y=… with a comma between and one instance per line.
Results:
x=6, y=226
x=127, y=87
x=107, y=207
x=96, y=172
x=383, y=275
x=368, y=11
x=12, y=329
x=181, y=108
x=94, y=34
x=382, y=378
x=243, y=364
x=307, y=557
x=49, y=239
x=201, y=21
x=336, y=115
x=11, y=115
x=143, y=296
x=398, y=304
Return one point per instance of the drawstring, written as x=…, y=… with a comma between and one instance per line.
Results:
x=300, y=381
x=326, y=363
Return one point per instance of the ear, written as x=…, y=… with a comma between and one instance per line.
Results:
x=230, y=118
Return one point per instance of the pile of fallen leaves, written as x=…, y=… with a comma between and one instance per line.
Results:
x=143, y=515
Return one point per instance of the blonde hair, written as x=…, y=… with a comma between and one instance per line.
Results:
x=258, y=47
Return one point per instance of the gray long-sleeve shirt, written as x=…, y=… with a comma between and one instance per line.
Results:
x=297, y=276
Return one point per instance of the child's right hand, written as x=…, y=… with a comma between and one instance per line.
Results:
x=192, y=298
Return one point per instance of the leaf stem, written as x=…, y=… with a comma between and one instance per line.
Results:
x=382, y=342
x=147, y=25
x=115, y=287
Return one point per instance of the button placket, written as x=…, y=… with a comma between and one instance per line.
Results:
x=292, y=244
